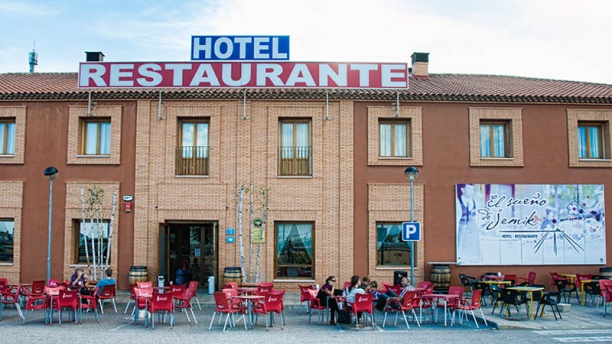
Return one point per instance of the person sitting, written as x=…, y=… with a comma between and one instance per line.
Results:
x=354, y=289
x=327, y=297
x=107, y=280
x=365, y=283
x=79, y=281
x=389, y=294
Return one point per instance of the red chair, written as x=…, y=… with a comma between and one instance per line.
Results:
x=10, y=296
x=140, y=301
x=531, y=276
x=3, y=284
x=580, y=278
x=315, y=305
x=346, y=285
x=183, y=302
x=65, y=299
x=306, y=295
x=363, y=305
x=145, y=285
x=511, y=278
x=222, y=306
x=408, y=304
x=177, y=289
x=106, y=293
x=424, y=284
x=273, y=303
x=193, y=285
x=36, y=303
x=132, y=297
x=89, y=302
x=472, y=304
x=385, y=287
x=264, y=288
x=231, y=285
x=556, y=277
x=160, y=303
x=451, y=304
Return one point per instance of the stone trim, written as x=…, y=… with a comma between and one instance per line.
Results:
x=514, y=116
x=577, y=115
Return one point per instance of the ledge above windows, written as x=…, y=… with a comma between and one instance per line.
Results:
x=496, y=137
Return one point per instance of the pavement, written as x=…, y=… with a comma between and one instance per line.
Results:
x=575, y=317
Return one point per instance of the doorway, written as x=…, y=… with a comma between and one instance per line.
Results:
x=192, y=245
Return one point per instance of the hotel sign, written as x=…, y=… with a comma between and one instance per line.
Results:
x=234, y=48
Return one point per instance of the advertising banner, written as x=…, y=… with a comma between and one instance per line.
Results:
x=530, y=224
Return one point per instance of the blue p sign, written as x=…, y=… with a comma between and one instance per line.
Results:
x=411, y=231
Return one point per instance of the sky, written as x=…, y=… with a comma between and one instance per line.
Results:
x=551, y=39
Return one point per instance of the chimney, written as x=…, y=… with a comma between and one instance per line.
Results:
x=94, y=56
x=420, y=65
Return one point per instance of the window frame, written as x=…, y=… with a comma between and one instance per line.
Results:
x=294, y=161
x=12, y=243
x=277, y=266
x=507, y=132
x=5, y=124
x=514, y=138
x=85, y=121
x=601, y=129
x=76, y=253
x=195, y=166
x=377, y=252
x=408, y=137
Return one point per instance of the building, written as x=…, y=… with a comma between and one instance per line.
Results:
x=332, y=162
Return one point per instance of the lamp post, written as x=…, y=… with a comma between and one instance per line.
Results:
x=51, y=173
x=411, y=173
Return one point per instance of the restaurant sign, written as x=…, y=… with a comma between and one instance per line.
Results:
x=512, y=224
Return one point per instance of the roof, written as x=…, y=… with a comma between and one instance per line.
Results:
x=435, y=88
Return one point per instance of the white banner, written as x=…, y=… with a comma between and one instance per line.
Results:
x=530, y=224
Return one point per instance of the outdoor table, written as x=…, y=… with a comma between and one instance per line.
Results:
x=444, y=297
x=246, y=290
x=498, y=282
x=529, y=290
x=249, y=306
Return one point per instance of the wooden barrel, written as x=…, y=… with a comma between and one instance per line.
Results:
x=606, y=272
x=441, y=276
x=232, y=274
x=138, y=274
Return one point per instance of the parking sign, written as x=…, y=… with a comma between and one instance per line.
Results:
x=411, y=231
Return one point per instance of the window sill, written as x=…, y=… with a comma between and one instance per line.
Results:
x=7, y=156
x=487, y=158
x=191, y=176
x=295, y=177
x=594, y=160
x=6, y=264
x=293, y=280
x=103, y=156
x=395, y=267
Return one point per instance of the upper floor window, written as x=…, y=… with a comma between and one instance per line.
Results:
x=96, y=136
x=294, y=255
x=395, y=139
x=192, y=150
x=591, y=140
x=7, y=136
x=295, y=151
x=7, y=233
x=495, y=139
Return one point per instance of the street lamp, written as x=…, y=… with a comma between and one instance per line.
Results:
x=51, y=173
x=411, y=173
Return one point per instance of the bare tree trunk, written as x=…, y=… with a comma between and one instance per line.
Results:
x=81, y=227
x=93, y=243
x=110, y=230
x=265, y=193
x=251, y=195
x=240, y=197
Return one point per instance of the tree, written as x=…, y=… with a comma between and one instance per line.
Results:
x=259, y=201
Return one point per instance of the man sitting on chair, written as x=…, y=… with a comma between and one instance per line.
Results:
x=389, y=294
x=108, y=280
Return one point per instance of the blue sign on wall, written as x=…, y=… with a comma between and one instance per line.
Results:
x=239, y=48
x=411, y=231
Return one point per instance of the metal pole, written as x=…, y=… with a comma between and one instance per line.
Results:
x=412, y=242
x=49, y=231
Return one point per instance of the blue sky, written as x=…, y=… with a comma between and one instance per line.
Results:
x=556, y=39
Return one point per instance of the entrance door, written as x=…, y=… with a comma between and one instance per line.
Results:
x=191, y=253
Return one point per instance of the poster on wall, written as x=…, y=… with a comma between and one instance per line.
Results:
x=530, y=224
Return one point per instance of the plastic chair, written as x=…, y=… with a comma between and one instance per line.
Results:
x=231, y=285
x=555, y=277
x=306, y=295
x=183, y=302
x=88, y=302
x=363, y=305
x=551, y=299
x=132, y=297
x=566, y=289
x=468, y=281
x=145, y=285
x=222, y=306
x=512, y=298
x=140, y=301
x=408, y=304
x=160, y=303
x=529, y=280
x=511, y=278
x=10, y=296
x=451, y=304
x=264, y=288
x=193, y=285
x=65, y=299
x=106, y=293
x=593, y=291
x=37, y=303
x=464, y=305
x=273, y=303
x=315, y=305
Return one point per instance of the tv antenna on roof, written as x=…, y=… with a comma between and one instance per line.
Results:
x=33, y=58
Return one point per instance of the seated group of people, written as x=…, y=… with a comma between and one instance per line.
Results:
x=328, y=292
x=79, y=280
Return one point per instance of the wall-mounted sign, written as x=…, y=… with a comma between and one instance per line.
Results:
x=230, y=231
x=511, y=224
x=235, y=48
x=95, y=75
x=230, y=239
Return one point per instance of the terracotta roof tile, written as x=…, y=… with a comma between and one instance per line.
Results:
x=438, y=87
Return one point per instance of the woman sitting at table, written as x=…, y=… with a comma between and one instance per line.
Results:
x=353, y=290
x=326, y=296
x=79, y=281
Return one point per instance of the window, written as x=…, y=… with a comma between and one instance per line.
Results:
x=295, y=151
x=96, y=135
x=294, y=250
x=390, y=248
x=7, y=234
x=494, y=139
x=590, y=140
x=192, y=151
x=7, y=136
x=95, y=236
x=395, y=139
